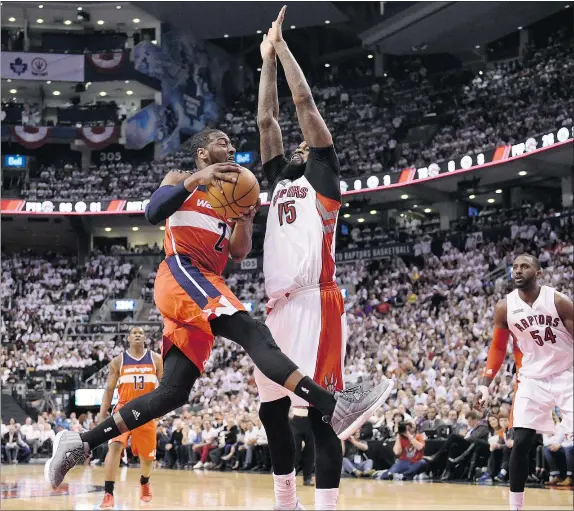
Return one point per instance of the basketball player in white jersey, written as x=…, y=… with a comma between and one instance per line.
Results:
x=541, y=321
x=306, y=311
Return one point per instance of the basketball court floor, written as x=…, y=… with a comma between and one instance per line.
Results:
x=23, y=488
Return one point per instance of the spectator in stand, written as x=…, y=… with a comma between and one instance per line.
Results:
x=31, y=434
x=559, y=454
x=355, y=461
x=409, y=449
x=12, y=442
x=458, y=448
x=208, y=442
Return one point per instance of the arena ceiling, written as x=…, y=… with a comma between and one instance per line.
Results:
x=212, y=20
x=455, y=27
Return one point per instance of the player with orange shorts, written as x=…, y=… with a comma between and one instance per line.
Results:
x=134, y=372
x=197, y=305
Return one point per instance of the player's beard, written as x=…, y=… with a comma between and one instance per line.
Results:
x=293, y=171
x=525, y=283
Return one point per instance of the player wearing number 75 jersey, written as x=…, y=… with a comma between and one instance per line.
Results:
x=540, y=320
x=306, y=311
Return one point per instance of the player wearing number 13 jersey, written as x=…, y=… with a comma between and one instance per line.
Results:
x=540, y=320
x=134, y=372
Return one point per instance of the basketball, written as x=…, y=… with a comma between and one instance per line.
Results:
x=232, y=199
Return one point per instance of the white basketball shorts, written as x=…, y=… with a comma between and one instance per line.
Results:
x=535, y=399
x=310, y=327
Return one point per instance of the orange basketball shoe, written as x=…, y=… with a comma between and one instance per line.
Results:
x=108, y=501
x=145, y=492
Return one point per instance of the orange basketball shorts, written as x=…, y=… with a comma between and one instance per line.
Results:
x=188, y=298
x=143, y=438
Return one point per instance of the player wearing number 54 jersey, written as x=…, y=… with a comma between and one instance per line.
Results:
x=540, y=320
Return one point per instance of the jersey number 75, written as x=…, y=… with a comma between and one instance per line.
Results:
x=287, y=212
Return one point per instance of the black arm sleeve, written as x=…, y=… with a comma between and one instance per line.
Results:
x=273, y=168
x=164, y=202
x=323, y=171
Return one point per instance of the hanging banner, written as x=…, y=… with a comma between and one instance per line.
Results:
x=31, y=137
x=108, y=62
x=42, y=66
x=99, y=137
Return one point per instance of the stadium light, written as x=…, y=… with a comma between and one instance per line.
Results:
x=118, y=6
x=9, y=80
x=361, y=220
x=80, y=8
x=103, y=93
x=480, y=73
x=67, y=22
x=490, y=201
x=472, y=196
x=293, y=27
x=41, y=6
x=347, y=204
x=416, y=206
x=499, y=191
x=12, y=19
x=259, y=70
x=346, y=215
x=108, y=229
x=327, y=65
x=129, y=92
x=225, y=36
x=135, y=228
x=154, y=41
x=101, y=22
x=404, y=196
x=522, y=173
x=13, y=91
x=477, y=46
x=373, y=211
x=370, y=56
x=259, y=31
x=402, y=215
x=327, y=22
x=428, y=210
x=127, y=81
x=520, y=27
x=385, y=75
x=162, y=228
x=56, y=93
x=136, y=20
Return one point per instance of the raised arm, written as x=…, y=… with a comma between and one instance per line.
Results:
x=313, y=126
x=271, y=141
x=113, y=378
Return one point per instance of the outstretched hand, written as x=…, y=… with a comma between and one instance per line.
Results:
x=275, y=34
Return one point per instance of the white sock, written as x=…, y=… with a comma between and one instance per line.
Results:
x=516, y=500
x=285, y=490
x=326, y=499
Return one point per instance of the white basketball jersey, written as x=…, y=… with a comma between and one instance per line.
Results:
x=541, y=336
x=299, y=248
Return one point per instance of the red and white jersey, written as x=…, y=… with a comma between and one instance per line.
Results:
x=195, y=230
x=299, y=248
x=546, y=345
x=138, y=376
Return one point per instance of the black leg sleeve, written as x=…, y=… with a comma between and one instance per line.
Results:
x=519, y=458
x=275, y=419
x=328, y=452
